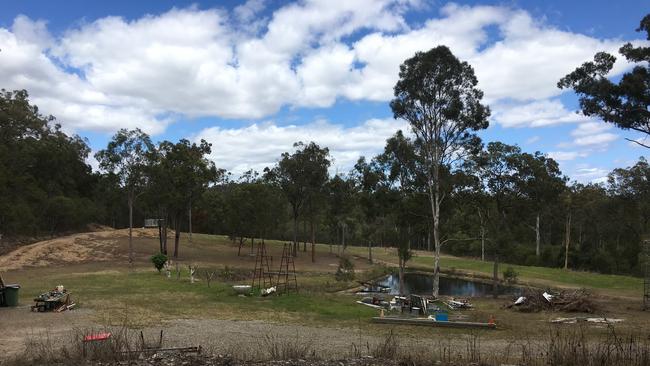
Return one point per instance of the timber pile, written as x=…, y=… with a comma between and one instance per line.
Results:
x=573, y=301
x=57, y=300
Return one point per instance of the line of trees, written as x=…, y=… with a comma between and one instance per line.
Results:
x=501, y=204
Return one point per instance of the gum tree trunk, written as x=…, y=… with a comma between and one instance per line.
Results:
x=495, y=277
x=177, y=235
x=482, y=223
x=304, y=236
x=313, y=242
x=482, y=244
x=130, y=202
x=295, y=233
x=537, y=237
x=160, y=237
x=401, y=277
x=567, y=240
x=434, y=198
x=189, y=222
x=165, y=235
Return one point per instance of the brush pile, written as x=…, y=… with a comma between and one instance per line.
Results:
x=571, y=301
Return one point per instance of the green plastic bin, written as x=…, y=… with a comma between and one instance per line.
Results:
x=11, y=295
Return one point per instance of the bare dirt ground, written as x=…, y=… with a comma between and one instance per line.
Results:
x=112, y=246
x=244, y=340
x=71, y=249
x=18, y=326
x=95, y=246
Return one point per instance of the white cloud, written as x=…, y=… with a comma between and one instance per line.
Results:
x=587, y=173
x=566, y=155
x=535, y=114
x=601, y=139
x=114, y=73
x=321, y=72
x=532, y=57
x=259, y=145
x=590, y=128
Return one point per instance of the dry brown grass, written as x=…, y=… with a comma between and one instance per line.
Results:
x=566, y=346
x=46, y=348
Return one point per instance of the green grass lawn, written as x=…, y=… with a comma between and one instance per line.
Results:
x=614, y=285
x=148, y=297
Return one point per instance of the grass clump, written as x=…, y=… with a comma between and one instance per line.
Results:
x=288, y=348
x=510, y=275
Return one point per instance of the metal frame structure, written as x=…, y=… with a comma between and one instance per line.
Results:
x=287, y=280
x=262, y=275
x=646, y=277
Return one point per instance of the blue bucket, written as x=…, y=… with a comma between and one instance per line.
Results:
x=442, y=317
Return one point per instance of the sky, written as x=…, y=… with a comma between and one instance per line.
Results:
x=253, y=77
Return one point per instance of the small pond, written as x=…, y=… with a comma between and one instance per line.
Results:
x=421, y=284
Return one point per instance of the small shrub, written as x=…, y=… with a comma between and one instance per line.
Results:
x=159, y=261
x=345, y=272
x=510, y=275
x=227, y=273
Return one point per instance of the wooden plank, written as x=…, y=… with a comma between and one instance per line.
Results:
x=371, y=305
x=431, y=323
x=196, y=349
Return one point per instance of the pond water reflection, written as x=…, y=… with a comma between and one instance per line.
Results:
x=421, y=284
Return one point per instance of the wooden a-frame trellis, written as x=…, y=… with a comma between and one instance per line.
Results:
x=262, y=275
x=287, y=281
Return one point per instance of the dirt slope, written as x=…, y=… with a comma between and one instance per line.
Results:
x=77, y=248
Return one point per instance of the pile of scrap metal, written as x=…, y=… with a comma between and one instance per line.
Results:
x=575, y=320
x=374, y=302
x=370, y=287
x=423, y=305
x=458, y=304
x=413, y=304
x=533, y=300
x=57, y=300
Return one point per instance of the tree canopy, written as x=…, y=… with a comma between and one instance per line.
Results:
x=625, y=104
